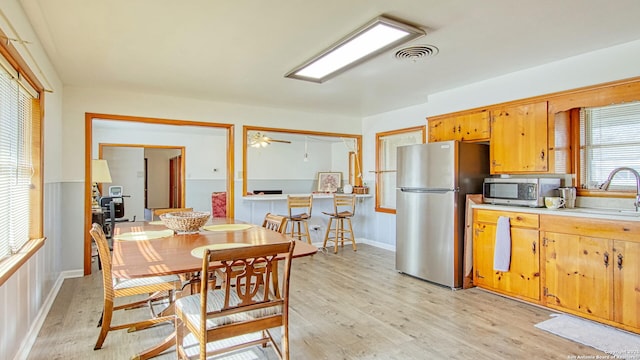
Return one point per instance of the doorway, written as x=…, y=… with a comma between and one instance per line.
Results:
x=193, y=135
x=149, y=176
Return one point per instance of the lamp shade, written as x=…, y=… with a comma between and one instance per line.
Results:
x=100, y=171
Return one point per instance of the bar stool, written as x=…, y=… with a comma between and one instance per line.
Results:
x=344, y=208
x=299, y=213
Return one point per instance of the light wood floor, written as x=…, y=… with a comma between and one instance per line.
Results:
x=350, y=305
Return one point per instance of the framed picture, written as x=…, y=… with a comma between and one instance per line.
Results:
x=329, y=181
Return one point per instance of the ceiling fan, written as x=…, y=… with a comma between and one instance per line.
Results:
x=259, y=139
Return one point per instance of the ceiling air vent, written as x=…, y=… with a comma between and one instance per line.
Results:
x=416, y=52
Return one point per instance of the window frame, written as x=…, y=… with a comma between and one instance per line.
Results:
x=587, y=168
x=568, y=103
x=11, y=263
x=379, y=171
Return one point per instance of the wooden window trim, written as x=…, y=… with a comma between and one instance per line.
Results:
x=245, y=144
x=11, y=264
x=379, y=171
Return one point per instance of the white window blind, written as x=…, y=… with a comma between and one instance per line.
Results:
x=609, y=139
x=15, y=162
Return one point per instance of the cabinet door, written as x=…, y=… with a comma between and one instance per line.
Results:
x=578, y=274
x=523, y=277
x=473, y=127
x=442, y=129
x=519, y=139
x=470, y=127
x=626, y=277
x=484, y=236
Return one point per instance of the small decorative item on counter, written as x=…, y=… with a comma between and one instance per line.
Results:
x=185, y=222
x=360, y=189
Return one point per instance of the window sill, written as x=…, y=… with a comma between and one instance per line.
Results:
x=12, y=263
x=609, y=194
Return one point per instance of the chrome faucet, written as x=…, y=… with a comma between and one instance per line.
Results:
x=605, y=185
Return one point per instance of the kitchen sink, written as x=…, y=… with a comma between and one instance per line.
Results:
x=616, y=212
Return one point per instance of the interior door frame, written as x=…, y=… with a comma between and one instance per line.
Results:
x=88, y=142
x=176, y=162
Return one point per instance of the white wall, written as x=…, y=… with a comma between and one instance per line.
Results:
x=126, y=165
x=205, y=160
x=615, y=63
x=26, y=296
x=158, y=176
x=78, y=101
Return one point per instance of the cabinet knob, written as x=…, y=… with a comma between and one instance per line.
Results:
x=542, y=155
x=620, y=257
x=606, y=259
x=533, y=247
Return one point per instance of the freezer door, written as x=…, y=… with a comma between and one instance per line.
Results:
x=427, y=243
x=427, y=166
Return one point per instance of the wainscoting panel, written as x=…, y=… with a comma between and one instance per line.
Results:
x=26, y=297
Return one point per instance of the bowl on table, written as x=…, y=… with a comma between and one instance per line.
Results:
x=185, y=222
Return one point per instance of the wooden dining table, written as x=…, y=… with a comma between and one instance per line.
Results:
x=173, y=252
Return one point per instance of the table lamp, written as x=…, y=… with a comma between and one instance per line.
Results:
x=99, y=174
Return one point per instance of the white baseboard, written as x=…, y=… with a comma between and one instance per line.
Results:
x=32, y=334
x=377, y=244
x=368, y=242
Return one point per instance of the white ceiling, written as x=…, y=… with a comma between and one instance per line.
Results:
x=239, y=50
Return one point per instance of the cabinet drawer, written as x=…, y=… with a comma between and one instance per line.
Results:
x=609, y=229
x=518, y=219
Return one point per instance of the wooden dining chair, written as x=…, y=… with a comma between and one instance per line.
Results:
x=158, y=212
x=158, y=286
x=344, y=208
x=242, y=302
x=299, y=213
x=276, y=223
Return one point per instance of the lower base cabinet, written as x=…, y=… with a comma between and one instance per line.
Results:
x=523, y=278
x=583, y=266
x=578, y=274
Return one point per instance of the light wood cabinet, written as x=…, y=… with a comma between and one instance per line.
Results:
x=577, y=274
x=626, y=277
x=467, y=127
x=592, y=268
x=523, y=278
x=519, y=139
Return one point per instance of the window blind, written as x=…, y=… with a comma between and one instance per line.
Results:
x=609, y=139
x=15, y=162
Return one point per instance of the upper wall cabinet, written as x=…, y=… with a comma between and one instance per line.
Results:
x=519, y=139
x=469, y=127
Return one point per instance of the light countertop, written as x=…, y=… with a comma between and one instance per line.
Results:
x=284, y=196
x=605, y=214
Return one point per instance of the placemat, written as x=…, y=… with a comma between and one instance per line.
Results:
x=156, y=222
x=227, y=227
x=144, y=235
x=197, y=252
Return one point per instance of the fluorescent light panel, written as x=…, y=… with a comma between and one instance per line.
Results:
x=375, y=37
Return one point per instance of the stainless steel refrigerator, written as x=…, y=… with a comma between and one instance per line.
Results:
x=432, y=183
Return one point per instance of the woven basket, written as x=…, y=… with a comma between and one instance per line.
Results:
x=360, y=190
x=185, y=221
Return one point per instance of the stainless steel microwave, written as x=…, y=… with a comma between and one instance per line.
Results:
x=519, y=191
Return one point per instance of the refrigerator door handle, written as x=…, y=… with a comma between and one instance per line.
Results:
x=438, y=191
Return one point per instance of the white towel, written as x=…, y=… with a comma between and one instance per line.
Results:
x=502, y=251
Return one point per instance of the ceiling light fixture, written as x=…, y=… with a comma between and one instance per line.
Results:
x=259, y=139
x=375, y=37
